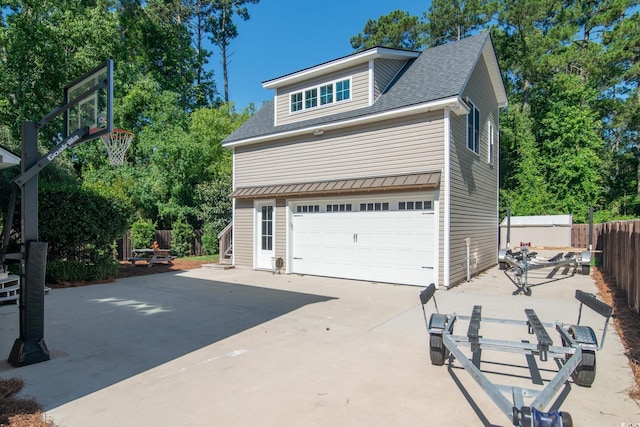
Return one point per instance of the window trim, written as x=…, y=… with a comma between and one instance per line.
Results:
x=291, y=101
x=473, y=121
x=491, y=144
x=302, y=93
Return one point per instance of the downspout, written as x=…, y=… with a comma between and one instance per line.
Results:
x=371, y=82
x=447, y=197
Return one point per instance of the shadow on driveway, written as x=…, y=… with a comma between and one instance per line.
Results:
x=102, y=334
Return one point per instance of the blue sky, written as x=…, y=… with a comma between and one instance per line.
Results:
x=283, y=36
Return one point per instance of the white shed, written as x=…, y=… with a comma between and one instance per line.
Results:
x=551, y=231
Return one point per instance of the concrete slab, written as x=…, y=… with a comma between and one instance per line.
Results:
x=237, y=347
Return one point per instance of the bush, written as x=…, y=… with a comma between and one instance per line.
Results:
x=143, y=233
x=209, y=239
x=181, y=234
x=80, y=226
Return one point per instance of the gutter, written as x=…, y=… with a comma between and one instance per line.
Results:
x=454, y=103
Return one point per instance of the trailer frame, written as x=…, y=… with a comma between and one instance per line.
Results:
x=576, y=356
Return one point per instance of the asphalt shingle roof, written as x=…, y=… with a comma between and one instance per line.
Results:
x=437, y=73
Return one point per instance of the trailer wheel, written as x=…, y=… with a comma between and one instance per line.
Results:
x=437, y=350
x=586, y=269
x=566, y=419
x=585, y=373
x=502, y=265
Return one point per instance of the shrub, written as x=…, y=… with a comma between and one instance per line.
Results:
x=209, y=239
x=80, y=226
x=143, y=233
x=181, y=234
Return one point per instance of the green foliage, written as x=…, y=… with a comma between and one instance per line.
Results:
x=397, y=30
x=80, y=226
x=182, y=234
x=103, y=267
x=455, y=19
x=143, y=233
x=209, y=239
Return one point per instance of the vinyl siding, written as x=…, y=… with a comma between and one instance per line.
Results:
x=243, y=233
x=281, y=230
x=474, y=185
x=359, y=95
x=384, y=70
x=408, y=144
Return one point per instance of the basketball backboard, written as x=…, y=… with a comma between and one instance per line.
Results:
x=91, y=97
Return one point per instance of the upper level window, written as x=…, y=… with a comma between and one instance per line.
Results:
x=473, y=128
x=311, y=98
x=492, y=141
x=296, y=101
x=328, y=93
x=342, y=90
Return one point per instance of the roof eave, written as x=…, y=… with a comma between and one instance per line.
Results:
x=453, y=103
x=339, y=64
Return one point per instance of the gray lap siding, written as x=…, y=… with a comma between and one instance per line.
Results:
x=474, y=185
x=409, y=144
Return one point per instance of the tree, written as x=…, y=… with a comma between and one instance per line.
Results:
x=397, y=30
x=223, y=30
x=449, y=20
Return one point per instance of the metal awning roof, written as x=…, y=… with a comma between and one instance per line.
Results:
x=413, y=181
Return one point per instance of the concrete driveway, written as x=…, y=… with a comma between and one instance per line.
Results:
x=240, y=348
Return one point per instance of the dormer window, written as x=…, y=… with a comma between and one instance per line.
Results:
x=342, y=90
x=326, y=94
x=331, y=93
x=311, y=98
x=296, y=101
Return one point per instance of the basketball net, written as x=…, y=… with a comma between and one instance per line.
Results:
x=117, y=143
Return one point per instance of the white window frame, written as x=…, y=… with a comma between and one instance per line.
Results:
x=318, y=91
x=473, y=123
x=291, y=102
x=491, y=130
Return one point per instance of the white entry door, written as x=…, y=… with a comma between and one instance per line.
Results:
x=264, y=234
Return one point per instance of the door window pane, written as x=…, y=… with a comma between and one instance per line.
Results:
x=266, y=231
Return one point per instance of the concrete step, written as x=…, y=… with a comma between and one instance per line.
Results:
x=226, y=261
x=220, y=266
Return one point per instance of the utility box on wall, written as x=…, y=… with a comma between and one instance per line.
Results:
x=550, y=231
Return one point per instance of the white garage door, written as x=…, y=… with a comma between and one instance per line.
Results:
x=383, y=240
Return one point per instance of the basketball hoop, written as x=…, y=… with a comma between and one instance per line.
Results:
x=117, y=143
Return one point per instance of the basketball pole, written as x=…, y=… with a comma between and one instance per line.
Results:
x=30, y=347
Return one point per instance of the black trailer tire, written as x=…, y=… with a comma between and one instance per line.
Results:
x=585, y=372
x=437, y=351
x=586, y=269
x=502, y=265
x=566, y=419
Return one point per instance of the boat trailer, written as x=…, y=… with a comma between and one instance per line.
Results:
x=522, y=261
x=576, y=357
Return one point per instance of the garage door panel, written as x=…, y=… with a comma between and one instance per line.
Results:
x=388, y=246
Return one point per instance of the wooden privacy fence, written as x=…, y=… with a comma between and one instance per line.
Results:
x=617, y=250
x=163, y=237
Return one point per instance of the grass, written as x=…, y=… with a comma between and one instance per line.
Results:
x=205, y=258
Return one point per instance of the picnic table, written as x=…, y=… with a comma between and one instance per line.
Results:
x=151, y=256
